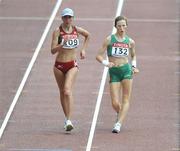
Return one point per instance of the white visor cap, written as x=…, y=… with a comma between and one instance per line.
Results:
x=67, y=12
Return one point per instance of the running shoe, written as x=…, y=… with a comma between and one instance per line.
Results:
x=116, y=128
x=68, y=125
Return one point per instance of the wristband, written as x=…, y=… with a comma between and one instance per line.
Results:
x=105, y=62
x=134, y=63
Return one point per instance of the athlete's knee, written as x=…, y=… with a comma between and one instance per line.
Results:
x=115, y=103
x=126, y=98
x=67, y=92
x=116, y=106
x=126, y=102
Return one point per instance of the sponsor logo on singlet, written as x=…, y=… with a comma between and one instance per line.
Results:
x=120, y=49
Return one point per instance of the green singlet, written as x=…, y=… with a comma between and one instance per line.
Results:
x=119, y=49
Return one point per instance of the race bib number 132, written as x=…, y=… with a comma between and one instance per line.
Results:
x=118, y=51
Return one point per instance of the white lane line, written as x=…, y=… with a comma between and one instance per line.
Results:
x=177, y=72
x=18, y=93
x=154, y=20
x=177, y=125
x=148, y=20
x=175, y=149
x=132, y=20
x=101, y=89
x=40, y=149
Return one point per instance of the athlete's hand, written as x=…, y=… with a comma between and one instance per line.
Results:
x=82, y=54
x=135, y=70
x=111, y=64
x=62, y=42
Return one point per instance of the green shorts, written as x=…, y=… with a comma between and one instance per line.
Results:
x=117, y=74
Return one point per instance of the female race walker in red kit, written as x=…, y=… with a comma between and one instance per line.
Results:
x=119, y=47
x=65, y=41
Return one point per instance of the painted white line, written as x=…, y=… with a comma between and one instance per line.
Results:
x=105, y=93
x=24, y=18
x=132, y=20
x=175, y=149
x=40, y=149
x=101, y=89
x=154, y=20
x=176, y=125
x=18, y=93
x=56, y=19
x=177, y=72
x=148, y=20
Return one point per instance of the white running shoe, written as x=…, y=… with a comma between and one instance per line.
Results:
x=68, y=125
x=116, y=128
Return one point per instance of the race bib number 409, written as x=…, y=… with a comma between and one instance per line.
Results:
x=72, y=43
x=120, y=49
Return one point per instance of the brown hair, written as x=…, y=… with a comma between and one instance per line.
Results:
x=120, y=18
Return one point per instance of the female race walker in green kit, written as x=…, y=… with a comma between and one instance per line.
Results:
x=65, y=44
x=119, y=46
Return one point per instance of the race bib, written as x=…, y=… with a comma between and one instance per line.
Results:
x=120, y=49
x=71, y=43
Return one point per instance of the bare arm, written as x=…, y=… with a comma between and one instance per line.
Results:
x=86, y=36
x=55, y=47
x=101, y=52
x=133, y=56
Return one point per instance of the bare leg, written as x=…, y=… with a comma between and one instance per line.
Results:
x=70, y=78
x=115, y=95
x=126, y=92
x=60, y=78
